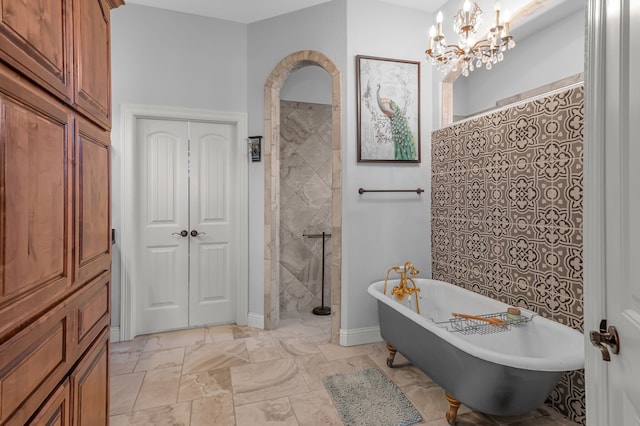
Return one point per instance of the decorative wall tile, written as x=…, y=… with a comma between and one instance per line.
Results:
x=506, y=213
x=306, y=204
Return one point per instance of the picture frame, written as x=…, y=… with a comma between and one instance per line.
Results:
x=388, y=110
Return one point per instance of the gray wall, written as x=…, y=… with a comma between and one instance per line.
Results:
x=519, y=73
x=321, y=28
x=170, y=59
x=549, y=55
x=381, y=230
x=308, y=84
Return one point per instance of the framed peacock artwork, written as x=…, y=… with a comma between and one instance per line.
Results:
x=388, y=110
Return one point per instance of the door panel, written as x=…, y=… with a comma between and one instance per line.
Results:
x=185, y=185
x=622, y=207
x=212, y=214
x=164, y=206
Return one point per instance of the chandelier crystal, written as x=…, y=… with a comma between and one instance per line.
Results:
x=470, y=53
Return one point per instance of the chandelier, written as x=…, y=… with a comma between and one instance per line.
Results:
x=470, y=53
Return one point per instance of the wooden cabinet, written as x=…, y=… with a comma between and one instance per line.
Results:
x=55, y=248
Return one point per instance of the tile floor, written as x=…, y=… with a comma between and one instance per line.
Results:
x=230, y=375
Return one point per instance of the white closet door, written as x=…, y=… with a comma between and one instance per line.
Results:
x=162, y=288
x=214, y=211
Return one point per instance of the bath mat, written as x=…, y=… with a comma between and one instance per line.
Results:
x=368, y=398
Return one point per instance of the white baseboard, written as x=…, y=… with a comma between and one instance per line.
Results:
x=115, y=334
x=360, y=336
x=255, y=320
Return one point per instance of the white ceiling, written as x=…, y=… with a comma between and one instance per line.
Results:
x=247, y=11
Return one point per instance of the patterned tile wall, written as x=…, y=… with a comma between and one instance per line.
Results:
x=305, y=205
x=507, y=213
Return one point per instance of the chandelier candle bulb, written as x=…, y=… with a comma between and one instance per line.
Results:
x=497, y=9
x=439, y=19
x=507, y=19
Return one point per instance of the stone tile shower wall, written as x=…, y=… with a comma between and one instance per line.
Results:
x=507, y=213
x=305, y=205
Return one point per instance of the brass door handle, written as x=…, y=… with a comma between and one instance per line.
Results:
x=182, y=233
x=195, y=233
x=606, y=336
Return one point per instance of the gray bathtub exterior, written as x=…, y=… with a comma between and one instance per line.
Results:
x=480, y=385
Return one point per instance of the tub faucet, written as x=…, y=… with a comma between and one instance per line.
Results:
x=402, y=289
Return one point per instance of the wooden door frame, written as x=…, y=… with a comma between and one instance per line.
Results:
x=594, y=217
x=130, y=113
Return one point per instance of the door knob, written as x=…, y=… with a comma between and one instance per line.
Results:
x=195, y=233
x=182, y=233
x=605, y=336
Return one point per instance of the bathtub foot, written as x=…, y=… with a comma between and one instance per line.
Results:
x=392, y=355
x=454, y=404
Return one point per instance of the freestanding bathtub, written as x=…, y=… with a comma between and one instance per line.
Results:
x=509, y=372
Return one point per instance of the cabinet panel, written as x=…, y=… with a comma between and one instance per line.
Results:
x=93, y=215
x=91, y=311
x=56, y=411
x=31, y=363
x=93, y=59
x=35, y=202
x=90, y=384
x=35, y=37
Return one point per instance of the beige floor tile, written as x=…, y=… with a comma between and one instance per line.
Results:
x=303, y=327
x=242, y=332
x=159, y=387
x=272, y=412
x=124, y=391
x=300, y=346
x=134, y=345
x=262, y=348
x=123, y=363
x=174, y=339
x=215, y=410
x=429, y=399
x=125, y=355
x=174, y=415
x=266, y=380
x=218, y=333
x=228, y=374
x=212, y=356
x=331, y=351
x=205, y=384
x=315, y=367
x=160, y=359
x=315, y=409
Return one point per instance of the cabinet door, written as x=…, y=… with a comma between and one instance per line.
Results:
x=35, y=38
x=93, y=245
x=35, y=206
x=55, y=412
x=93, y=59
x=90, y=385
